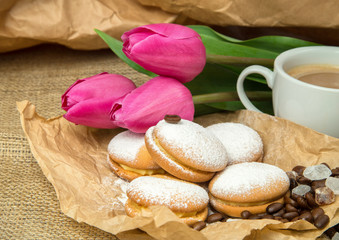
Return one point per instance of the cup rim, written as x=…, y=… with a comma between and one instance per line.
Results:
x=278, y=64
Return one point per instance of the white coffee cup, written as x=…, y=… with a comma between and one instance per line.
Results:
x=303, y=103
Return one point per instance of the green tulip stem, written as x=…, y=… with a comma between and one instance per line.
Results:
x=230, y=96
x=239, y=61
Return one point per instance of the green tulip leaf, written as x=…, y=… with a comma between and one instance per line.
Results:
x=116, y=46
x=205, y=30
x=203, y=109
x=216, y=87
x=264, y=106
x=217, y=78
x=219, y=47
x=276, y=44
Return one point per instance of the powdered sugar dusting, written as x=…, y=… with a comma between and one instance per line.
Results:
x=240, y=179
x=168, y=192
x=126, y=145
x=241, y=142
x=169, y=161
x=114, y=202
x=196, y=142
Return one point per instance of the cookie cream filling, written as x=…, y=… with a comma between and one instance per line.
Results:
x=143, y=172
x=248, y=204
x=179, y=214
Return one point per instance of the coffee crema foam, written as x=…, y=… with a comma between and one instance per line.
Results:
x=322, y=75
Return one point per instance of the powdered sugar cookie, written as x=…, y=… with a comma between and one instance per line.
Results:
x=187, y=200
x=129, y=158
x=242, y=143
x=186, y=150
x=248, y=186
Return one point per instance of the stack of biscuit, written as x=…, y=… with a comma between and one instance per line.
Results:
x=167, y=163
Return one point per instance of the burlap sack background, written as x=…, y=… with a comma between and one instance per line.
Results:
x=29, y=208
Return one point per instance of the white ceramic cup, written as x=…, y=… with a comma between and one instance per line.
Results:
x=306, y=104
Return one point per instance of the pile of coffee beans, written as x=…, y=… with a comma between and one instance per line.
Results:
x=292, y=210
x=215, y=217
x=306, y=197
x=303, y=203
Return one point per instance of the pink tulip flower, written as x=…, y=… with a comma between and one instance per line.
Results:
x=148, y=104
x=166, y=49
x=89, y=101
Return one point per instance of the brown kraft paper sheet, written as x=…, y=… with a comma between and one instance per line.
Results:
x=74, y=160
x=26, y=23
x=254, y=13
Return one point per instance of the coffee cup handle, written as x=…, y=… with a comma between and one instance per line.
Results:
x=268, y=75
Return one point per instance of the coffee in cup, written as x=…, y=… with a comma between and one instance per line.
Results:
x=304, y=87
x=317, y=74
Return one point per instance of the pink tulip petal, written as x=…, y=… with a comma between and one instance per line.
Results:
x=174, y=31
x=166, y=49
x=148, y=104
x=189, y=59
x=88, y=101
x=101, y=85
x=92, y=113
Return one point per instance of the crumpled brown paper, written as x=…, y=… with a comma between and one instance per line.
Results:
x=304, y=13
x=74, y=160
x=26, y=23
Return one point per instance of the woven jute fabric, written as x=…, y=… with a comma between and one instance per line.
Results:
x=29, y=208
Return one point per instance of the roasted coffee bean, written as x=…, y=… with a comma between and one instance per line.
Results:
x=289, y=200
x=293, y=183
x=299, y=170
x=279, y=213
x=295, y=219
x=330, y=232
x=290, y=208
x=290, y=215
x=302, y=203
x=335, y=172
x=215, y=217
x=307, y=216
x=224, y=219
x=318, y=184
x=267, y=216
x=278, y=218
x=294, y=196
x=317, y=212
x=245, y=214
x=284, y=220
x=274, y=207
x=199, y=225
x=302, y=211
x=321, y=221
x=326, y=165
x=292, y=174
x=262, y=214
x=254, y=216
x=172, y=118
x=304, y=180
x=310, y=200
